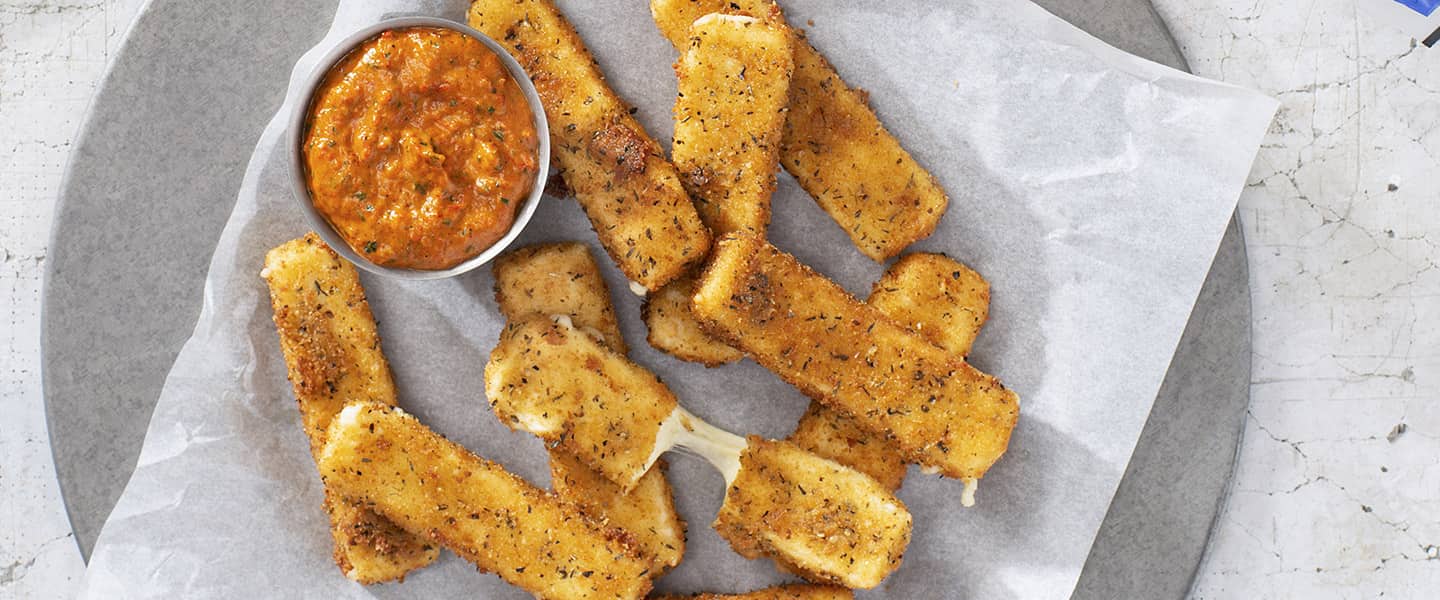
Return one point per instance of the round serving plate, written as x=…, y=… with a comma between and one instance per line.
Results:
x=155, y=172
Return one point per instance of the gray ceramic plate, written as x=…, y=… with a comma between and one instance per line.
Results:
x=145, y=199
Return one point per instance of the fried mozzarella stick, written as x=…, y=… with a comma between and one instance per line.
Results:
x=631, y=194
x=557, y=279
x=734, y=84
x=734, y=81
x=934, y=296
x=813, y=516
x=674, y=330
x=332, y=352
x=434, y=487
x=833, y=144
x=563, y=279
x=942, y=412
x=647, y=512
x=783, y=592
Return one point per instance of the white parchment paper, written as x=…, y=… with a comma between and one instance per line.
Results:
x=1090, y=187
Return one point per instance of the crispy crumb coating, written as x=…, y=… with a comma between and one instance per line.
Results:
x=934, y=296
x=583, y=398
x=674, y=330
x=734, y=84
x=433, y=487
x=563, y=279
x=557, y=279
x=646, y=512
x=783, y=592
x=832, y=434
x=734, y=79
x=833, y=144
x=942, y=412
x=332, y=353
x=817, y=518
x=630, y=192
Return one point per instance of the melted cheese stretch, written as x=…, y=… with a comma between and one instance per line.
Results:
x=549, y=378
x=563, y=279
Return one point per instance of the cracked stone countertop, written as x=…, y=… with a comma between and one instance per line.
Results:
x=1338, y=486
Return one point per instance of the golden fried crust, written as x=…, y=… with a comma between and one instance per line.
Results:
x=576, y=393
x=734, y=81
x=435, y=488
x=630, y=192
x=934, y=296
x=941, y=411
x=563, y=279
x=833, y=144
x=833, y=435
x=332, y=353
x=824, y=521
x=557, y=279
x=674, y=330
x=784, y=592
x=647, y=512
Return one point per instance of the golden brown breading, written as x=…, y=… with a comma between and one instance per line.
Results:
x=734, y=82
x=941, y=411
x=332, y=352
x=783, y=592
x=817, y=518
x=579, y=395
x=934, y=296
x=433, y=487
x=616, y=418
x=832, y=434
x=674, y=330
x=563, y=279
x=632, y=194
x=734, y=79
x=646, y=512
x=833, y=144
x=557, y=279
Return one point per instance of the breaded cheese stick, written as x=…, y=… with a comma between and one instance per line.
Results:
x=734, y=79
x=433, y=487
x=833, y=144
x=783, y=592
x=647, y=512
x=332, y=353
x=580, y=396
x=557, y=279
x=549, y=378
x=942, y=412
x=932, y=295
x=630, y=192
x=734, y=84
x=815, y=517
x=563, y=279
x=674, y=330
x=935, y=296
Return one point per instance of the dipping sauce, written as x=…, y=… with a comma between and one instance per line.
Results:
x=420, y=148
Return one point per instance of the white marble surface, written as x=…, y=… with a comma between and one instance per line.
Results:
x=1332, y=499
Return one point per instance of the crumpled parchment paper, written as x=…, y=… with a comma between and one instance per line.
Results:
x=1089, y=186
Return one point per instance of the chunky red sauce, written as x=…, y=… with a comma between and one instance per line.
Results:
x=420, y=148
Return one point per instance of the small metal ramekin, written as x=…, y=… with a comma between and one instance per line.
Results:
x=301, y=111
